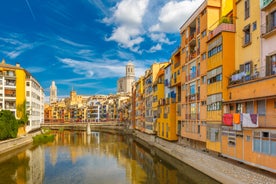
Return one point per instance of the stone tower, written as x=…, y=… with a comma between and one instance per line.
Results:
x=130, y=70
x=124, y=83
x=53, y=92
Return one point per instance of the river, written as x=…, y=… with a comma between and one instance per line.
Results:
x=100, y=158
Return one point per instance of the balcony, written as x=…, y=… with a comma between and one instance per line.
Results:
x=223, y=27
x=193, y=97
x=268, y=30
x=176, y=64
x=241, y=77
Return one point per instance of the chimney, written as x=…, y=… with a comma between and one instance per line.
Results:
x=17, y=65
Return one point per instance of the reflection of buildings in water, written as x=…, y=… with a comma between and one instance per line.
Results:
x=96, y=135
x=36, y=165
x=53, y=155
x=164, y=174
x=31, y=166
x=155, y=169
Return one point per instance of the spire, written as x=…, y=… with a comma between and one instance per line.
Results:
x=3, y=61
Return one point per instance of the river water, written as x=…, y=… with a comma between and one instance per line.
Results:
x=100, y=158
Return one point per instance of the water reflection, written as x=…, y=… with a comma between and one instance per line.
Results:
x=75, y=157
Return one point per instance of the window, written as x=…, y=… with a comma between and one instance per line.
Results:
x=192, y=89
x=213, y=134
x=246, y=9
x=28, y=83
x=203, y=33
x=214, y=51
x=203, y=79
x=238, y=108
x=203, y=56
x=249, y=107
x=247, y=35
x=271, y=21
x=264, y=142
x=271, y=65
x=261, y=107
x=254, y=26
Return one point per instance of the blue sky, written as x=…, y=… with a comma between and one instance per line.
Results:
x=85, y=44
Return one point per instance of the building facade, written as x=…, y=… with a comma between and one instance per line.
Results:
x=21, y=94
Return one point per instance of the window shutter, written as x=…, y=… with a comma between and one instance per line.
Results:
x=268, y=65
x=267, y=23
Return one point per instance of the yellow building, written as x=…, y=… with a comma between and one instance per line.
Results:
x=158, y=101
x=220, y=65
x=139, y=104
x=176, y=83
x=193, y=57
x=167, y=120
x=150, y=76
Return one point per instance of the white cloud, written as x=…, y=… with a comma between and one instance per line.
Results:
x=160, y=37
x=69, y=42
x=99, y=68
x=126, y=36
x=35, y=69
x=173, y=14
x=155, y=48
x=128, y=16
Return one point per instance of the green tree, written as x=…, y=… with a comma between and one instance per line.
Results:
x=8, y=125
x=21, y=113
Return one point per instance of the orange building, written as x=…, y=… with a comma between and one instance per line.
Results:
x=193, y=56
x=220, y=65
x=250, y=104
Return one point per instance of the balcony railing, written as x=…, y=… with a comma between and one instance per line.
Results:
x=224, y=26
x=241, y=77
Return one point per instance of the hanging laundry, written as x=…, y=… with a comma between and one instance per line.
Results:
x=228, y=119
x=247, y=121
x=254, y=118
x=236, y=118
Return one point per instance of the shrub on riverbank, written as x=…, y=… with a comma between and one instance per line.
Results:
x=8, y=125
x=43, y=138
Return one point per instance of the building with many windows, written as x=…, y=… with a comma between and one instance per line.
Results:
x=193, y=58
x=249, y=110
x=21, y=93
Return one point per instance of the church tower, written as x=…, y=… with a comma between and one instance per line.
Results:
x=124, y=83
x=130, y=70
x=53, y=92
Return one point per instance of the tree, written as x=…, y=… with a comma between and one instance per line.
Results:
x=21, y=113
x=8, y=125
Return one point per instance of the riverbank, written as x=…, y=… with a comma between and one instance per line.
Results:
x=16, y=143
x=219, y=169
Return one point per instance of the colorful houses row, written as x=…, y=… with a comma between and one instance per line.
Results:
x=83, y=108
x=218, y=91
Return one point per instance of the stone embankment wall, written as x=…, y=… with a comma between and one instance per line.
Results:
x=12, y=144
x=219, y=169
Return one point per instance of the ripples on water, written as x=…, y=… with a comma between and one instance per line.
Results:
x=100, y=158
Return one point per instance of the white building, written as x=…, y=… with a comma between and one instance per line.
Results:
x=34, y=103
x=124, y=84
